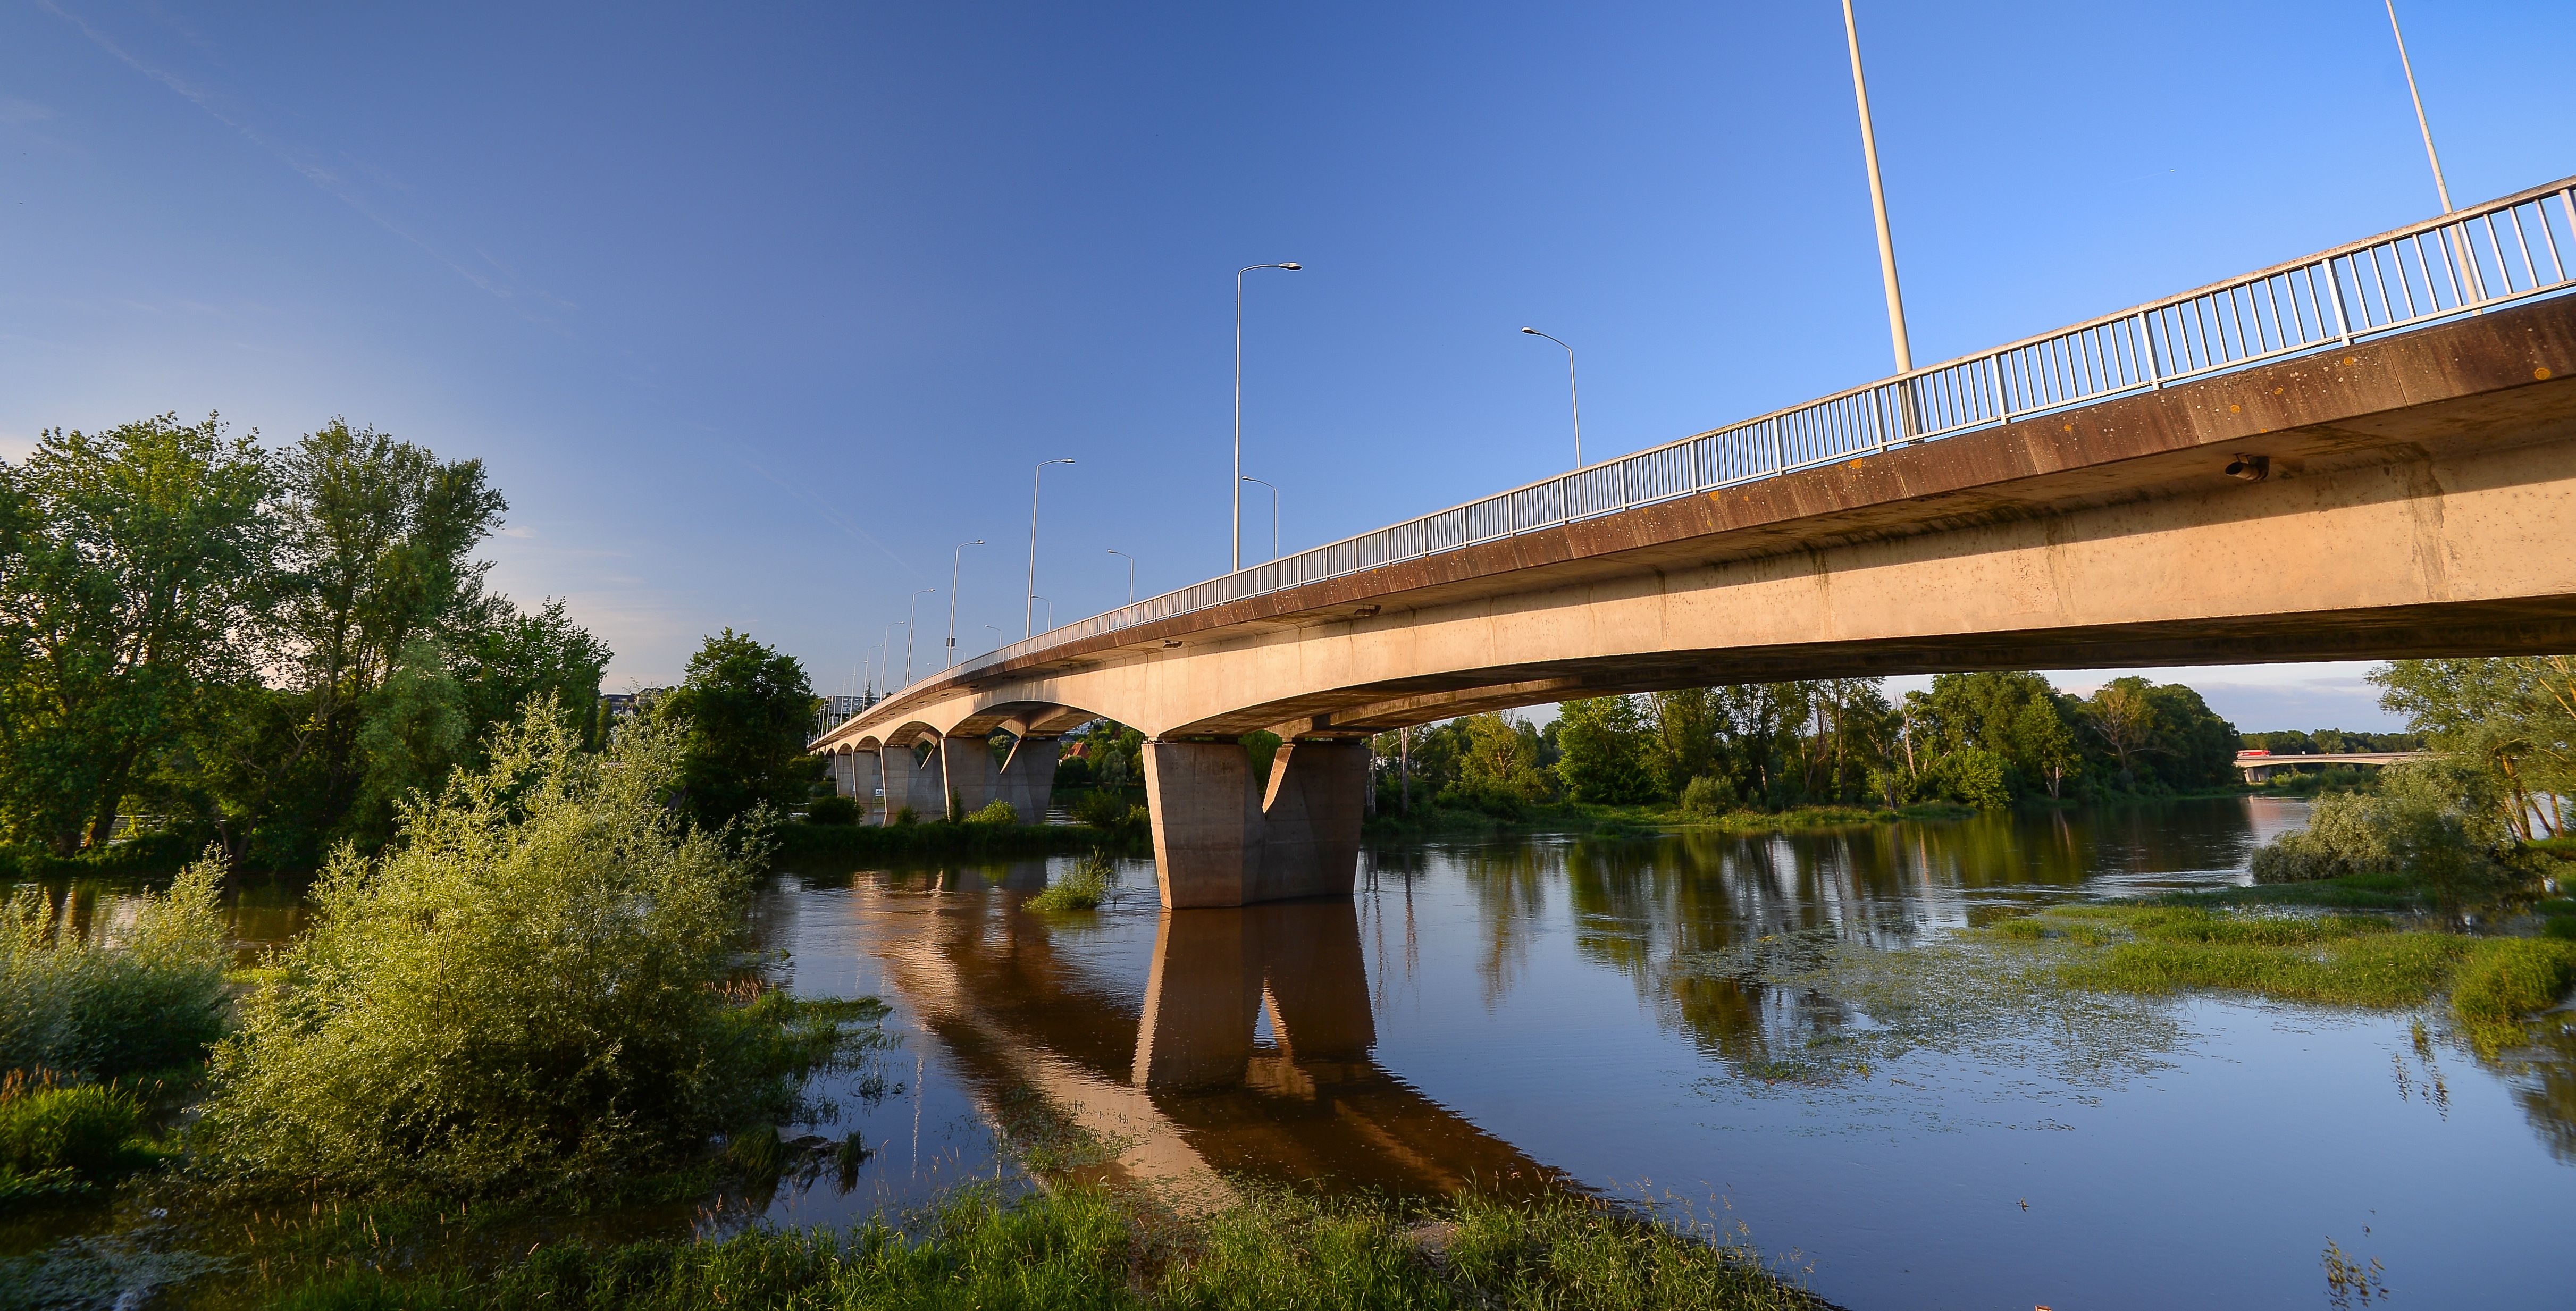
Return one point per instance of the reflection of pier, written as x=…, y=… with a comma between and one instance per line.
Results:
x=1189, y=1091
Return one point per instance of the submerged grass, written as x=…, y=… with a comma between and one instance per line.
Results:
x=2350, y=892
x=1082, y=1247
x=1083, y=887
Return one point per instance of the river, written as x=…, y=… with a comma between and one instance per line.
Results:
x=1557, y=1012
x=1529, y=1013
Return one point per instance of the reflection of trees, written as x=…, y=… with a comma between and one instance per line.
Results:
x=1509, y=884
x=1640, y=907
x=2547, y=1090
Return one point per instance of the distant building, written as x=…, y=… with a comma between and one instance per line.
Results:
x=838, y=708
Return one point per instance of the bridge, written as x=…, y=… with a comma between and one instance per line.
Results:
x=2260, y=767
x=2366, y=453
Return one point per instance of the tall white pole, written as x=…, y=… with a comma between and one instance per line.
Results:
x=1031, y=619
x=1131, y=573
x=2421, y=123
x=1878, y=202
x=908, y=629
x=1573, y=394
x=954, y=558
x=1236, y=546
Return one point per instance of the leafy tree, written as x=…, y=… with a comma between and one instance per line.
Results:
x=1601, y=743
x=2194, y=748
x=1686, y=738
x=746, y=710
x=2514, y=718
x=2123, y=719
x=131, y=565
x=1501, y=756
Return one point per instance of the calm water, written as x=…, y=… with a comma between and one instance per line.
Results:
x=1538, y=1014
x=1526, y=1014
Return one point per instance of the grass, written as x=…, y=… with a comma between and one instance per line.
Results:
x=1085, y=1248
x=1080, y=888
x=2350, y=892
x=2506, y=979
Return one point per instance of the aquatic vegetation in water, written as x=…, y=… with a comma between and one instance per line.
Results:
x=1081, y=888
x=1086, y=1247
x=1854, y=1010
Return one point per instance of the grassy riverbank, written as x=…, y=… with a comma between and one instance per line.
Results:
x=1088, y=1247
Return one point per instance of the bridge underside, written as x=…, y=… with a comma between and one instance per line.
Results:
x=2420, y=499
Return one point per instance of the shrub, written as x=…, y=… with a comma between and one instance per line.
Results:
x=52, y=1135
x=834, y=810
x=2414, y=827
x=150, y=997
x=1081, y=888
x=907, y=816
x=1485, y=798
x=998, y=812
x=1101, y=808
x=1708, y=796
x=523, y=992
x=2561, y=927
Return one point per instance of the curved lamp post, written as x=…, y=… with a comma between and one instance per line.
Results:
x=1573, y=396
x=953, y=560
x=1292, y=266
x=1131, y=573
x=1031, y=620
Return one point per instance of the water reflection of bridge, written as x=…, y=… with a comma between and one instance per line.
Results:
x=1181, y=1083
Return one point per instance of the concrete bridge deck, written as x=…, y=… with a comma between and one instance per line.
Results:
x=2260, y=767
x=2409, y=495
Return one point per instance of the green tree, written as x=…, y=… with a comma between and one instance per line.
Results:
x=132, y=563
x=1686, y=738
x=746, y=711
x=1501, y=756
x=2513, y=718
x=1601, y=743
x=2194, y=748
x=2123, y=719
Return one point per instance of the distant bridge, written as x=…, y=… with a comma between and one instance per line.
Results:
x=2367, y=453
x=2260, y=767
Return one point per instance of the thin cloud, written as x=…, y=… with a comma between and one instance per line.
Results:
x=329, y=181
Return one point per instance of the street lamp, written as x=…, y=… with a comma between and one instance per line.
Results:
x=1573, y=396
x=1050, y=605
x=908, y=629
x=1031, y=619
x=953, y=558
x=2421, y=124
x=1878, y=202
x=1274, y=513
x=1292, y=266
x=1131, y=573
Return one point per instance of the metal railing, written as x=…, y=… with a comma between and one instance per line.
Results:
x=2466, y=261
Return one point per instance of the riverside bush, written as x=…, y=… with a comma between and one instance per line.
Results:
x=996, y=812
x=150, y=997
x=1707, y=796
x=524, y=992
x=54, y=1139
x=2418, y=825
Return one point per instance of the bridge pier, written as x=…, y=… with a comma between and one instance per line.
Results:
x=969, y=777
x=1027, y=777
x=912, y=781
x=1218, y=844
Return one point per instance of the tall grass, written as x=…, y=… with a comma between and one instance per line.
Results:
x=1081, y=888
x=1080, y=1248
x=2506, y=979
x=149, y=997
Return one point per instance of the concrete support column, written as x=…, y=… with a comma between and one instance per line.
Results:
x=1311, y=818
x=867, y=779
x=897, y=769
x=1028, y=776
x=926, y=791
x=970, y=777
x=1217, y=844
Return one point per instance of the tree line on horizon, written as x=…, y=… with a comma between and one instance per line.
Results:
x=270, y=650
x=1986, y=740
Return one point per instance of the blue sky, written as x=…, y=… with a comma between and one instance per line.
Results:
x=755, y=312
